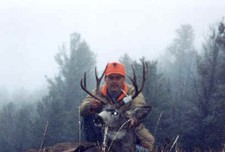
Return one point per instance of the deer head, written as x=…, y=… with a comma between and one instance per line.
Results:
x=115, y=117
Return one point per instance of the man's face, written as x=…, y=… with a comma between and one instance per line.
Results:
x=114, y=82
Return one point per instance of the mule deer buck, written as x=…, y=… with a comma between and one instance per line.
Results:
x=118, y=135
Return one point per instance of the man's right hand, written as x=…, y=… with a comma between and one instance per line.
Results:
x=95, y=104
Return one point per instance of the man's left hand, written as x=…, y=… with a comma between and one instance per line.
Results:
x=133, y=122
x=127, y=99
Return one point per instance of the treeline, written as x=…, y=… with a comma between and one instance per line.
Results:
x=185, y=87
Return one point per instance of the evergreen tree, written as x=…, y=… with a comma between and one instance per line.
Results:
x=208, y=128
x=24, y=127
x=60, y=107
x=180, y=70
x=8, y=128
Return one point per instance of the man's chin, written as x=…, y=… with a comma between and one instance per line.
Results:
x=114, y=91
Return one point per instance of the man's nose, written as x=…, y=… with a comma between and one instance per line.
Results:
x=114, y=79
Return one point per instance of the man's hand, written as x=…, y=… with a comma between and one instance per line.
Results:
x=95, y=104
x=127, y=99
x=133, y=122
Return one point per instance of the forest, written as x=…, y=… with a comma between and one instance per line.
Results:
x=185, y=87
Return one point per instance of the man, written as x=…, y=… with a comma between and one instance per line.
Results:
x=115, y=91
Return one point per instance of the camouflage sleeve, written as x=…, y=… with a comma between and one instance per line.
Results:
x=90, y=105
x=85, y=107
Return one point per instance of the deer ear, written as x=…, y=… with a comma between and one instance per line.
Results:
x=141, y=112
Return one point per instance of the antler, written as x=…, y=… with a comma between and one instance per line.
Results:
x=98, y=82
x=134, y=79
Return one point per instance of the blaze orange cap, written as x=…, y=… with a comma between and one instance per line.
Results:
x=115, y=68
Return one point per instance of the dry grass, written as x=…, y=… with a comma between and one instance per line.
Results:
x=70, y=146
x=60, y=147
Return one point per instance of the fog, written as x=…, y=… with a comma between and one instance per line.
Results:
x=31, y=32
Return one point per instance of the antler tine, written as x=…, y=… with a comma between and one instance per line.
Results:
x=98, y=80
x=83, y=86
x=134, y=79
x=144, y=71
x=85, y=80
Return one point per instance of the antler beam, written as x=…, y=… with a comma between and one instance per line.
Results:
x=134, y=79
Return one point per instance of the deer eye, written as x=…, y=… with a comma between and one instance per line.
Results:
x=114, y=113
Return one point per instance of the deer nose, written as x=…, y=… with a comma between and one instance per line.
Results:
x=98, y=120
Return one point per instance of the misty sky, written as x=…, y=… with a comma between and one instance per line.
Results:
x=32, y=30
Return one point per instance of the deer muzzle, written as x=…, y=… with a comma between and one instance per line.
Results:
x=98, y=121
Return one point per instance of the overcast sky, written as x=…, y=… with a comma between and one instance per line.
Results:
x=32, y=30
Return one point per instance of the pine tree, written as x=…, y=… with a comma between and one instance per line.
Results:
x=60, y=107
x=210, y=104
x=8, y=128
x=180, y=70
